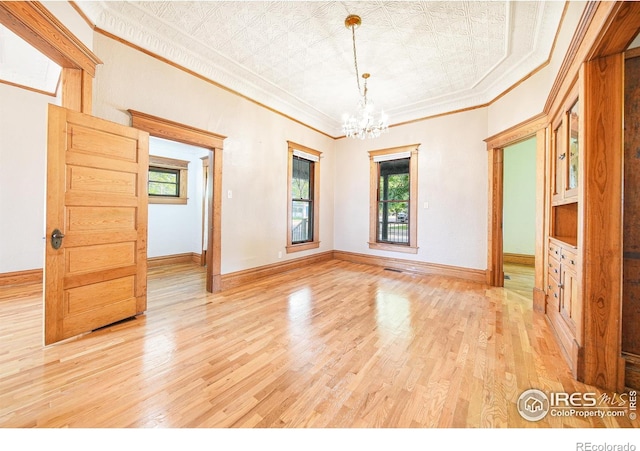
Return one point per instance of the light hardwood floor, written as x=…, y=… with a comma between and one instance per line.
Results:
x=519, y=279
x=336, y=345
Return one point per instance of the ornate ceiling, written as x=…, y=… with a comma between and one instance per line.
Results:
x=296, y=57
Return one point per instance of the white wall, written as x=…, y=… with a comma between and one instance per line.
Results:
x=254, y=218
x=23, y=142
x=177, y=229
x=527, y=99
x=519, y=203
x=452, y=160
x=452, y=178
x=23, y=151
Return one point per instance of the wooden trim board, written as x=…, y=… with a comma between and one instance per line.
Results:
x=189, y=257
x=417, y=267
x=239, y=278
x=21, y=277
x=519, y=259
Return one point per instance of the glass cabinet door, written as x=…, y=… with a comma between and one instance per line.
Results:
x=557, y=185
x=574, y=148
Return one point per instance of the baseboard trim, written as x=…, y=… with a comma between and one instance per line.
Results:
x=539, y=300
x=239, y=278
x=519, y=259
x=189, y=257
x=21, y=277
x=36, y=275
x=473, y=275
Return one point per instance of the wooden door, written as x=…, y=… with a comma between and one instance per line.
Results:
x=631, y=204
x=97, y=199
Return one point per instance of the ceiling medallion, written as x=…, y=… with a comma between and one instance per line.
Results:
x=366, y=122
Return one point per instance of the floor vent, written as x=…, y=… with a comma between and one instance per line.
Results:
x=507, y=277
x=393, y=269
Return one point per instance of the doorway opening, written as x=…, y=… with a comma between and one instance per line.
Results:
x=519, y=216
x=175, y=225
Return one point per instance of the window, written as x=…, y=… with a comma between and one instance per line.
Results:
x=393, y=199
x=167, y=180
x=303, y=195
x=164, y=182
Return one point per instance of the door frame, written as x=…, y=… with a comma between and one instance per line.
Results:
x=174, y=131
x=534, y=127
x=32, y=22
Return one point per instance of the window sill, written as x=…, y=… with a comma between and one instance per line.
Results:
x=168, y=200
x=302, y=246
x=393, y=248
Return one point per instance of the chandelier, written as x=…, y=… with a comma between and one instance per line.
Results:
x=366, y=122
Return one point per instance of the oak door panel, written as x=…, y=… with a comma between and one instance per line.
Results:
x=97, y=198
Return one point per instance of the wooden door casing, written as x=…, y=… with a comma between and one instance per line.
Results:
x=97, y=197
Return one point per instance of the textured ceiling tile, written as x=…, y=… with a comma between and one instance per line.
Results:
x=297, y=57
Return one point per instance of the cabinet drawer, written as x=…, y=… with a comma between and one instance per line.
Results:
x=555, y=250
x=569, y=257
x=553, y=294
x=554, y=267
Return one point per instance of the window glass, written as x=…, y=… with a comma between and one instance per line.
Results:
x=303, y=194
x=302, y=200
x=164, y=182
x=393, y=201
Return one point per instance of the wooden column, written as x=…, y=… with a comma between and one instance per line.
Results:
x=602, y=268
x=542, y=213
x=495, y=272
x=77, y=90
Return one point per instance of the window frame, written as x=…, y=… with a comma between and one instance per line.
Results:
x=314, y=191
x=172, y=164
x=403, y=152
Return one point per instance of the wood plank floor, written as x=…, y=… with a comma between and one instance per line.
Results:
x=519, y=279
x=339, y=345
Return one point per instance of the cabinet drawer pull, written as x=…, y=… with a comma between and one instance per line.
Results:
x=560, y=285
x=555, y=295
x=562, y=156
x=556, y=270
x=572, y=262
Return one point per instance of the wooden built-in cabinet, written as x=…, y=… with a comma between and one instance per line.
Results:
x=564, y=307
x=564, y=303
x=589, y=125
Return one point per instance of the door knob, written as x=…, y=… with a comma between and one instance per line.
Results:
x=56, y=239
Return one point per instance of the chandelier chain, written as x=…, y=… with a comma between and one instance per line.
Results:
x=355, y=56
x=366, y=122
